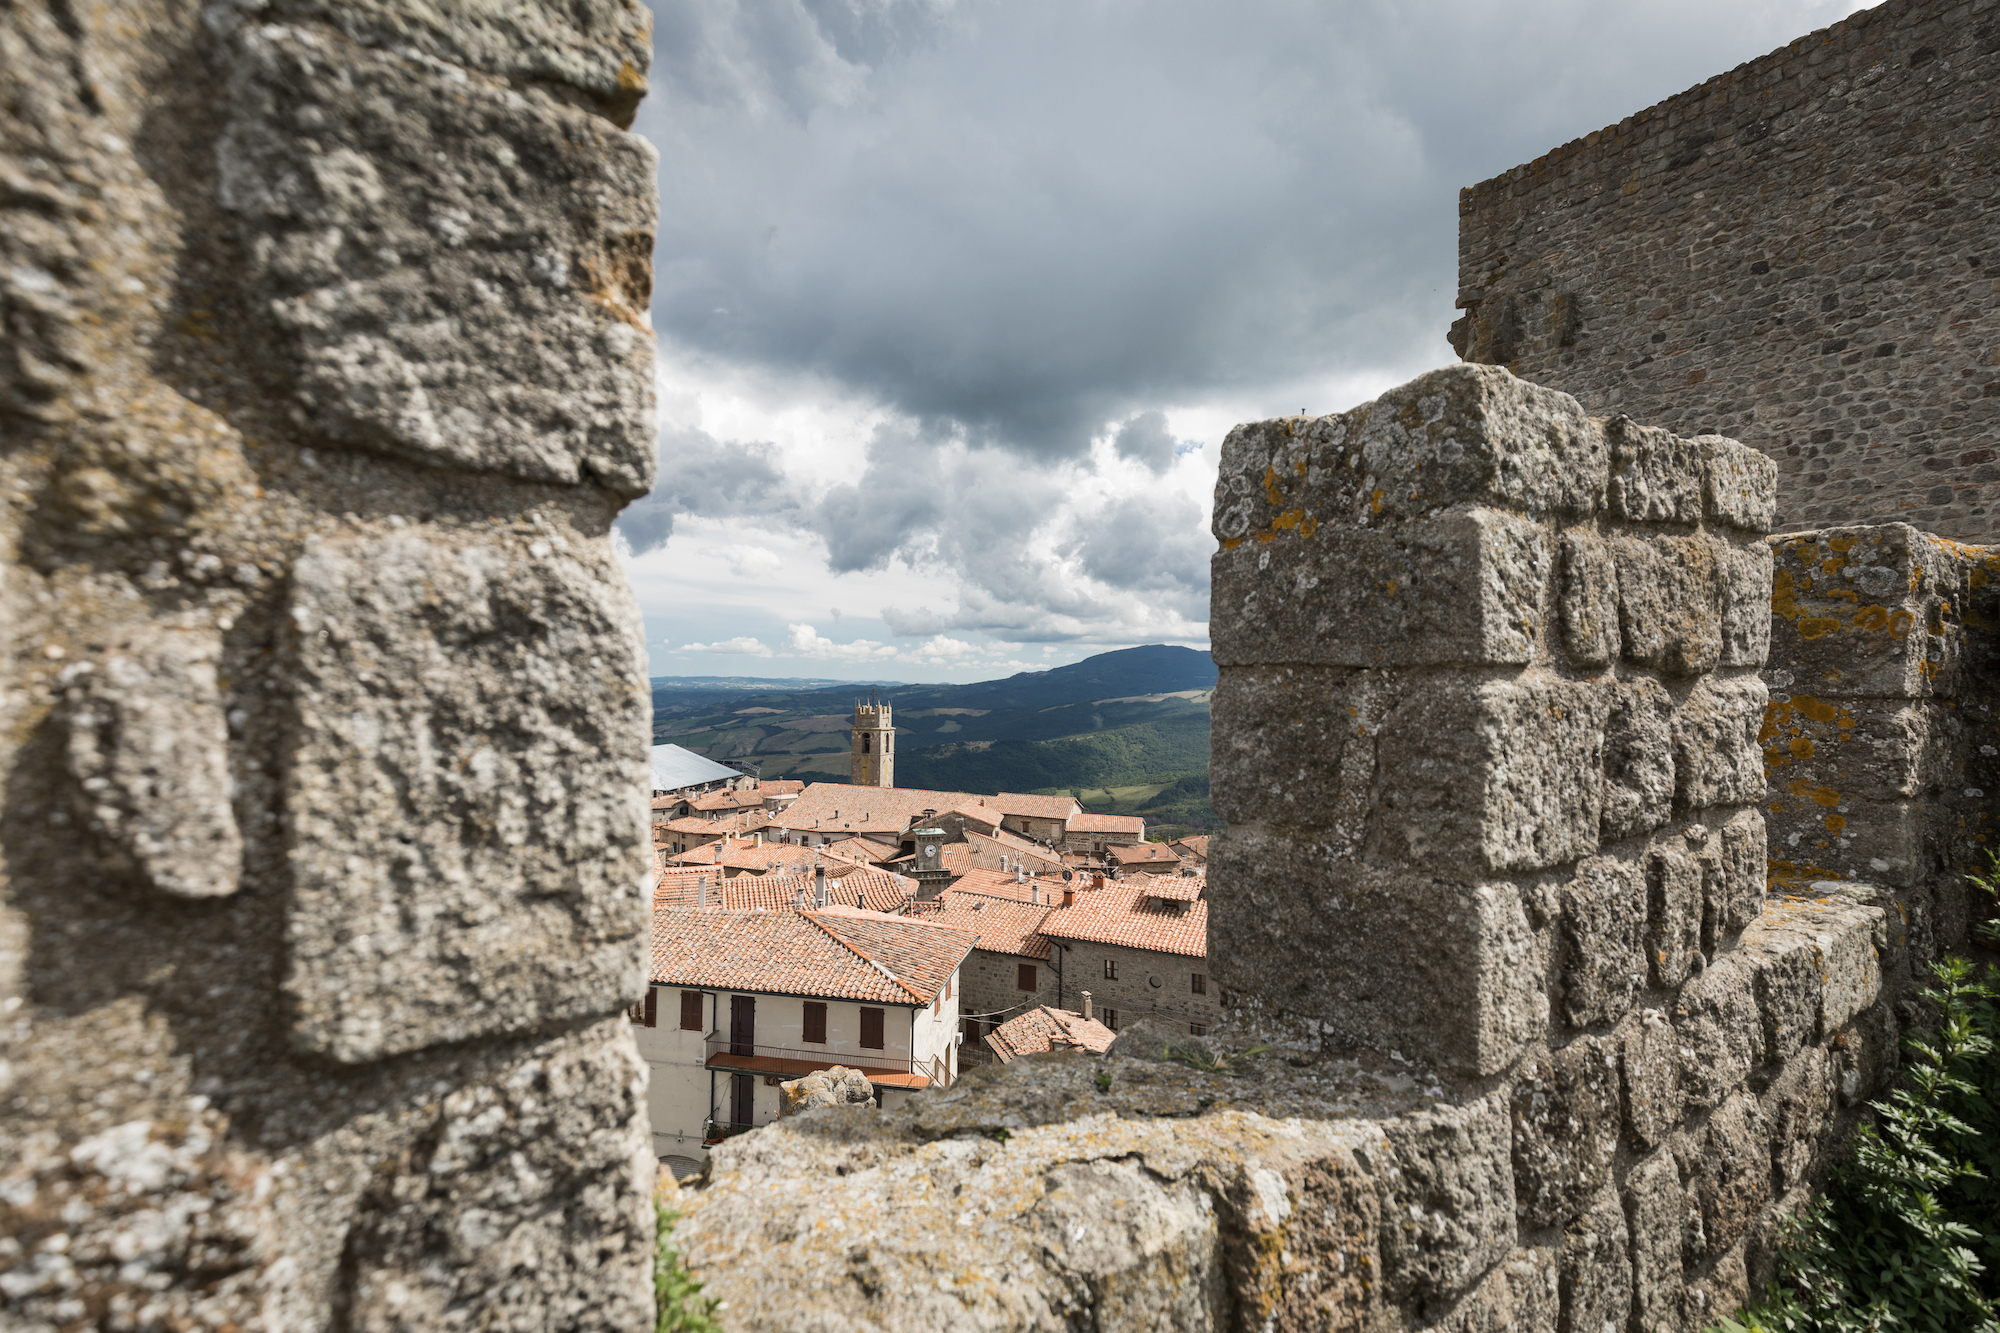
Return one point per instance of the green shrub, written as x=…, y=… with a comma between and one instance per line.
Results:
x=676, y=1295
x=1907, y=1233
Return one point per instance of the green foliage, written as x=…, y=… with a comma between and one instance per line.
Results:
x=1150, y=752
x=1907, y=1234
x=1196, y=1055
x=677, y=1298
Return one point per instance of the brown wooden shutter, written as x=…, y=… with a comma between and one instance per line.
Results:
x=652, y=1006
x=691, y=1011
x=815, y=1023
x=871, y=1029
x=1024, y=976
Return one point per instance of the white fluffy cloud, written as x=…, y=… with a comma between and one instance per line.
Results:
x=742, y=646
x=955, y=300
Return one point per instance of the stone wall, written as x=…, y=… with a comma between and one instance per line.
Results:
x=1881, y=744
x=1797, y=253
x=1515, y=1039
x=322, y=710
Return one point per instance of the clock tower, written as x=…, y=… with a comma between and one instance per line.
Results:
x=872, y=751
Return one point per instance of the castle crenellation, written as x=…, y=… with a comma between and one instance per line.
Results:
x=1605, y=730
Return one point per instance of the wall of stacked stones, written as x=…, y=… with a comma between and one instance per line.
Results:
x=1796, y=254
x=1881, y=744
x=322, y=711
x=1486, y=738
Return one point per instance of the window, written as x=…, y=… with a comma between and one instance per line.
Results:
x=871, y=1029
x=1110, y=1019
x=1110, y=971
x=691, y=1011
x=1197, y=1029
x=815, y=1022
x=647, y=1012
x=1198, y=983
x=1024, y=976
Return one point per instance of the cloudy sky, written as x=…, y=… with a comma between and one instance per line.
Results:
x=956, y=300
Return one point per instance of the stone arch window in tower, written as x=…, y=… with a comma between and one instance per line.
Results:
x=870, y=759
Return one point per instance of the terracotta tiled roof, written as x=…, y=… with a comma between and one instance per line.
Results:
x=1004, y=926
x=781, y=787
x=1196, y=846
x=847, y=884
x=1181, y=888
x=1003, y=884
x=1145, y=854
x=743, y=823
x=956, y=857
x=728, y=801
x=842, y=807
x=1089, y=823
x=1058, y=808
x=839, y=953
x=757, y=858
x=1048, y=1029
x=1013, y=845
x=1118, y=914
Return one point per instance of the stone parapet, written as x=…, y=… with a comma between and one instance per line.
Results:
x=322, y=702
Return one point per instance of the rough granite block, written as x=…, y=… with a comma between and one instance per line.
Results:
x=1587, y=599
x=1716, y=757
x=1460, y=435
x=1566, y=1118
x=1730, y=1174
x=1818, y=833
x=1669, y=603
x=467, y=788
x=1872, y=749
x=1481, y=776
x=1463, y=588
x=1654, y=1212
x=1743, y=575
x=1293, y=747
x=1656, y=476
x=1866, y=612
x=1448, y=1203
x=1596, y=1269
x=1520, y=1295
x=1719, y=1024
x=1739, y=484
x=1649, y=1069
x=1321, y=937
x=1799, y=1109
x=1673, y=914
x=1600, y=951
x=1638, y=759
x=1790, y=977
x=458, y=273
x=148, y=756
x=1735, y=897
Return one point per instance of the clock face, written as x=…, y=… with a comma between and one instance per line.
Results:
x=930, y=851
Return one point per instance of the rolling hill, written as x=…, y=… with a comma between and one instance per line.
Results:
x=1125, y=731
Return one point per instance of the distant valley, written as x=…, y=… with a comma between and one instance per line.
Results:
x=1126, y=731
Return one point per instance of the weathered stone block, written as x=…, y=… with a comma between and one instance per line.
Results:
x=1818, y=833
x=1866, y=612
x=1716, y=757
x=1464, y=587
x=1654, y=1213
x=1638, y=759
x=1866, y=1053
x=1739, y=484
x=1600, y=959
x=1799, y=1109
x=1844, y=942
x=1481, y=776
x=1656, y=476
x=1673, y=915
x=1566, y=1118
x=1587, y=599
x=1448, y=1203
x=1596, y=1274
x=1294, y=747
x=1870, y=749
x=467, y=792
x=1730, y=1175
x=1458, y=435
x=1733, y=884
x=1520, y=1295
x=457, y=273
x=1322, y=937
x=1721, y=1030
x=1789, y=981
x=1649, y=1069
x=1669, y=603
x=148, y=754
x=1743, y=575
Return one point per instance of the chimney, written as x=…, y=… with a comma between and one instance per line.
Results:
x=1086, y=1006
x=1097, y=880
x=1020, y=875
x=819, y=886
x=701, y=888
x=1069, y=896
x=1035, y=894
x=760, y=839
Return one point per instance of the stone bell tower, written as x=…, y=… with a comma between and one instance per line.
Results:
x=872, y=755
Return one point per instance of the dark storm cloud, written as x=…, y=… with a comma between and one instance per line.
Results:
x=700, y=474
x=1028, y=219
x=1145, y=439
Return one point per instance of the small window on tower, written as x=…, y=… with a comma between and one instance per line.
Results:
x=1111, y=969
x=1024, y=976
